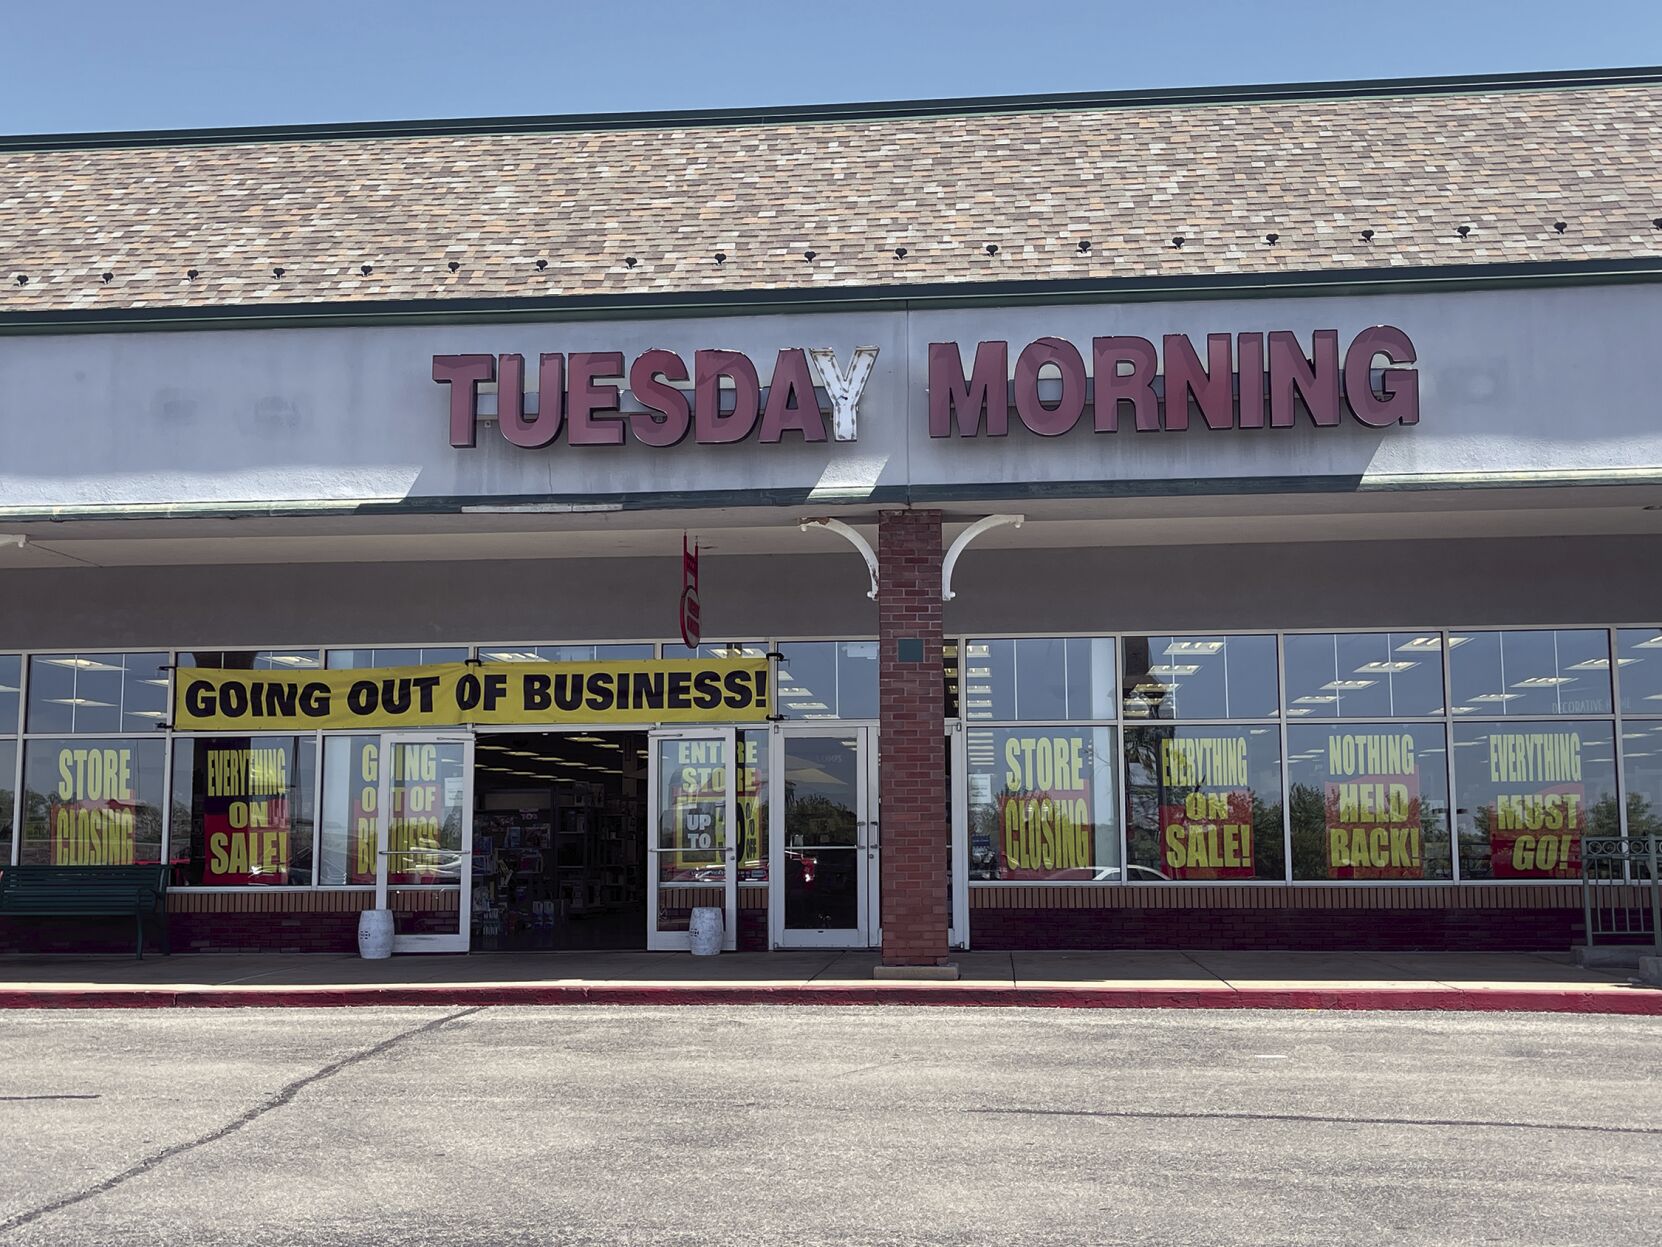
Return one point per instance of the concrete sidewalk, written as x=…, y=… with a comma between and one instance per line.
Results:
x=1537, y=982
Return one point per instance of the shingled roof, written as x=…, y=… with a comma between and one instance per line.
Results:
x=1560, y=168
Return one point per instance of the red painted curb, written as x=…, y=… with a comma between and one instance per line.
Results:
x=1634, y=1001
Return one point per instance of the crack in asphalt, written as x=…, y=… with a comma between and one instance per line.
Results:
x=17, y=1099
x=282, y=1097
x=1316, y=1119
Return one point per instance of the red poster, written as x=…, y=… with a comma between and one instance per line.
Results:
x=93, y=810
x=1537, y=834
x=1044, y=810
x=364, y=796
x=246, y=825
x=415, y=827
x=751, y=801
x=1374, y=829
x=1209, y=836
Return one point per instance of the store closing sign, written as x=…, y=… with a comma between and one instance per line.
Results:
x=92, y=807
x=1044, y=812
x=450, y=694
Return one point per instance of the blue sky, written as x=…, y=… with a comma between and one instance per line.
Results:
x=141, y=64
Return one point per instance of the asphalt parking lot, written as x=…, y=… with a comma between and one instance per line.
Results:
x=819, y=1125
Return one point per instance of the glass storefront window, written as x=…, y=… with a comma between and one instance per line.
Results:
x=89, y=802
x=1527, y=794
x=354, y=659
x=8, y=803
x=722, y=649
x=1642, y=776
x=828, y=679
x=691, y=833
x=347, y=844
x=1038, y=679
x=750, y=795
x=346, y=815
x=97, y=692
x=565, y=653
x=1042, y=804
x=1200, y=677
x=251, y=659
x=1204, y=803
x=1526, y=674
x=949, y=676
x=242, y=810
x=1364, y=675
x=1369, y=801
x=1639, y=657
x=11, y=679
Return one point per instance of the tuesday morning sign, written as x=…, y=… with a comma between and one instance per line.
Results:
x=1049, y=386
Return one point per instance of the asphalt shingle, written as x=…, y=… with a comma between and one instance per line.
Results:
x=1128, y=180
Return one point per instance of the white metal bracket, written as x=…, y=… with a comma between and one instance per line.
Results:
x=962, y=543
x=852, y=536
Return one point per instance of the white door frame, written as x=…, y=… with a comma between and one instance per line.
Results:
x=958, y=797
x=448, y=942
x=668, y=941
x=866, y=850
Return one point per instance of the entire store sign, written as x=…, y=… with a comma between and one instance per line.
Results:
x=727, y=690
x=1250, y=380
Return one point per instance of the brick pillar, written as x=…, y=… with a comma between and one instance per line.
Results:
x=911, y=752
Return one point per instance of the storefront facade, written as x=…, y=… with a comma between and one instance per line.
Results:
x=1312, y=608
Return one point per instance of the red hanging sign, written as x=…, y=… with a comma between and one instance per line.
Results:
x=690, y=632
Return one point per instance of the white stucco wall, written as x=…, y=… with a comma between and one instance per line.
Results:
x=1515, y=381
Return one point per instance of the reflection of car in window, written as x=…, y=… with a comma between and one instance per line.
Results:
x=1112, y=874
x=1147, y=873
x=1076, y=874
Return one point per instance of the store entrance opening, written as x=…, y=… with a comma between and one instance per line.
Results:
x=559, y=840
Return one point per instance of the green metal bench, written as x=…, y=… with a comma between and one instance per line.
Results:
x=88, y=892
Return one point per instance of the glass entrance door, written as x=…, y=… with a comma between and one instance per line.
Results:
x=824, y=840
x=692, y=849
x=424, y=839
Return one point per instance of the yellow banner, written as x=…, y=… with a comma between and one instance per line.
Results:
x=451, y=694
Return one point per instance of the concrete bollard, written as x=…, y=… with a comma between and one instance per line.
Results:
x=705, y=930
x=375, y=934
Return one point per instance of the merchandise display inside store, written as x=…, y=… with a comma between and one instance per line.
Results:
x=559, y=841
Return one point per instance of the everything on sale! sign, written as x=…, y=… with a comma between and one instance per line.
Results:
x=1206, y=808
x=247, y=815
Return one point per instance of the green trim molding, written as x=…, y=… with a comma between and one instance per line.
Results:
x=1461, y=84
x=814, y=500
x=753, y=302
